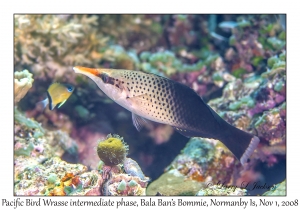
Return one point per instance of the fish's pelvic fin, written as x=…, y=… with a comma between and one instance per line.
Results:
x=62, y=103
x=138, y=121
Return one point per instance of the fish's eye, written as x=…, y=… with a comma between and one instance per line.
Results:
x=70, y=88
x=104, y=77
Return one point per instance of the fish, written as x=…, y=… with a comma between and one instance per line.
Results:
x=57, y=94
x=150, y=97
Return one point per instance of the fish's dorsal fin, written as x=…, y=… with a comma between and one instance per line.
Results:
x=62, y=103
x=138, y=121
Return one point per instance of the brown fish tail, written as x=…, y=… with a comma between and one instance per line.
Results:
x=240, y=143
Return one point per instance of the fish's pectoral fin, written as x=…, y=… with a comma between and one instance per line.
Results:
x=138, y=121
x=62, y=103
x=139, y=100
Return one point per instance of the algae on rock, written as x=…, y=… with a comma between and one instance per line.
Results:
x=218, y=190
x=174, y=183
x=277, y=190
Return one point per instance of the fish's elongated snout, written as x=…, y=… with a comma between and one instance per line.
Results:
x=76, y=69
x=85, y=70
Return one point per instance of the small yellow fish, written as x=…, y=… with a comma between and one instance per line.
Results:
x=57, y=93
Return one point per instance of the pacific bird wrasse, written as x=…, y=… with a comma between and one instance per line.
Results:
x=159, y=99
x=57, y=94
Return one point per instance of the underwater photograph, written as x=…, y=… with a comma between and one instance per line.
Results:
x=149, y=104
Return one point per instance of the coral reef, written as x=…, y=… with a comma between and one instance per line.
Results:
x=39, y=169
x=56, y=42
x=139, y=32
x=258, y=105
x=32, y=140
x=22, y=83
x=54, y=177
x=118, y=58
x=59, y=42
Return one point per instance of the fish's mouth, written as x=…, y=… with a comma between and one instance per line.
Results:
x=98, y=72
x=85, y=70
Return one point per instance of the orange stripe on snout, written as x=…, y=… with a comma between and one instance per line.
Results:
x=89, y=70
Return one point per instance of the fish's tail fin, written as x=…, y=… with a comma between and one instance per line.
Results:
x=240, y=143
x=42, y=104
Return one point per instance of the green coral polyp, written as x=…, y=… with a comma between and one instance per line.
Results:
x=260, y=121
x=113, y=150
x=132, y=183
x=279, y=86
x=272, y=60
x=282, y=56
x=276, y=43
x=52, y=178
x=248, y=101
x=122, y=186
x=278, y=65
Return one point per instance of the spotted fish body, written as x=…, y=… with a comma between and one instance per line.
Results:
x=155, y=98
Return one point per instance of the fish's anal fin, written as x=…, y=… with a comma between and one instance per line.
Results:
x=61, y=103
x=188, y=133
x=138, y=121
